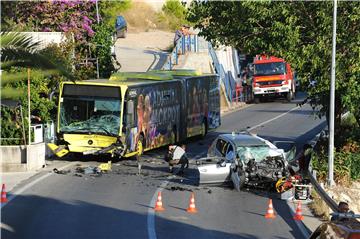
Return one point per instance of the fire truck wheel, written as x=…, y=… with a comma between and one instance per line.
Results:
x=289, y=96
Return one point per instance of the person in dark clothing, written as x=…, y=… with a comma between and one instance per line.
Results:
x=177, y=155
x=179, y=34
x=343, y=207
x=305, y=158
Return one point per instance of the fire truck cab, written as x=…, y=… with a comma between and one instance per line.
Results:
x=272, y=77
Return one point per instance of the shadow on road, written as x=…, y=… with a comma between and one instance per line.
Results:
x=45, y=217
x=159, y=59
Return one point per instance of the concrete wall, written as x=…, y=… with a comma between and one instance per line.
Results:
x=15, y=158
x=46, y=38
x=36, y=157
x=226, y=56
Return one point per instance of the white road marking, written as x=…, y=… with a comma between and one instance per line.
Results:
x=275, y=118
x=27, y=186
x=151, y=212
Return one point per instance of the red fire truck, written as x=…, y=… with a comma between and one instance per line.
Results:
x=272, y=77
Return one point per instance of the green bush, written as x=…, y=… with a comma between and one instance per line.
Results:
x=41, y=87
x=102, y=42
x=346, y=166
x=173, y=14
x=11, y=126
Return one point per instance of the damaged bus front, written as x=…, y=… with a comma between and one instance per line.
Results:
x=89, y=119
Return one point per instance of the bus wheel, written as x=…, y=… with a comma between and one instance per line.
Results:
x=140, y=145
x=203, y=129
x=256, y=100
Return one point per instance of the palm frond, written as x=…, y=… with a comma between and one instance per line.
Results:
x=7, y=77
x=18, y=40
x=19, y=50
x=12, y=93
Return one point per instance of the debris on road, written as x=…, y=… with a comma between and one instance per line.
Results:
x=105, y=166
x=178, y=188
x=55, y=170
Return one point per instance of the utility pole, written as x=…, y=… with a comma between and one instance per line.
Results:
x=29, y=112
x=331, y=181
x=97, y=12
x=98, y=21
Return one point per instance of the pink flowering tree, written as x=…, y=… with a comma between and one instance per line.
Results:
x=77, y=19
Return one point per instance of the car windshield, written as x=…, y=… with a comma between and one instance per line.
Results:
x=258, y=153
x=120, y=21
x=90, y=113
x=274, y=68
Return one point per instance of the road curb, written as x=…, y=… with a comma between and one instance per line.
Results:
x=234, y=109
x=17, y=192
x=302, y=225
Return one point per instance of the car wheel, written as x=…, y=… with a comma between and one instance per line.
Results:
x=242, y=178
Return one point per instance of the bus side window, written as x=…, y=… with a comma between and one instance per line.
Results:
x=130, y=113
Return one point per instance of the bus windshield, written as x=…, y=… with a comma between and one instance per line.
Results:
x=90, y=109
x=265, y=69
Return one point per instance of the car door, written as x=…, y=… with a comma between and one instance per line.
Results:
x=216, y=147
x=219, y=172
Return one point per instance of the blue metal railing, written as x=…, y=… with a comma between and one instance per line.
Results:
x=184, y=44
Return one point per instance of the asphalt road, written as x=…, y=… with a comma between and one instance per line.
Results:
x=119, y=204
x=143, y=51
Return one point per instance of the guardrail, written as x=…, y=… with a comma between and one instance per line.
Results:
x=327, y=199
x=319, y=189
x=184, y=44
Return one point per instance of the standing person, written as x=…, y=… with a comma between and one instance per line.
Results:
x=305, y=159
x=187, y=31
x=178, y=156
x=179, y=34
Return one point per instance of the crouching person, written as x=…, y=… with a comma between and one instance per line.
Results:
x=177, y=155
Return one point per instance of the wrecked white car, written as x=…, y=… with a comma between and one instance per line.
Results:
x=244, y=159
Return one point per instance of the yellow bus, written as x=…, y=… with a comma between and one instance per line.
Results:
x=135, y=112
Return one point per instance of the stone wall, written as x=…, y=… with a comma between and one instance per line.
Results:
x=16, y=158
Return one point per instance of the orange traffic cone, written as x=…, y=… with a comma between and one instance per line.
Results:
x=298, y=214
x=192, y=208
x=270, y=212
x=3, y=194
x=158, y=205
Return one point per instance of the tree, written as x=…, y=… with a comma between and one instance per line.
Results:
x=298, y=31
x=173, y=13
x=75, y=17
x=19, y=51
x=109, y=10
